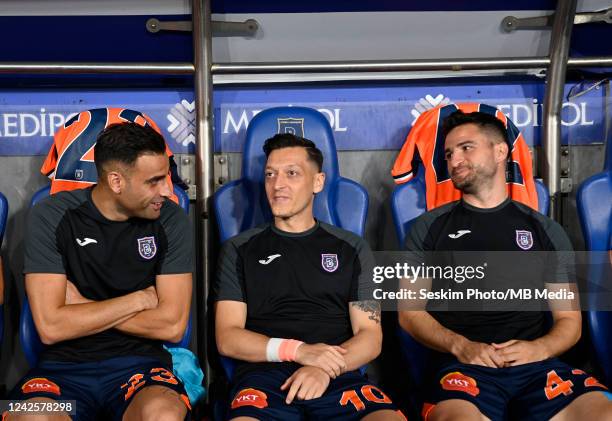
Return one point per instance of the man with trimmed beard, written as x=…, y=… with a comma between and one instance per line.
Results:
x=108, y=278
x=485, y=364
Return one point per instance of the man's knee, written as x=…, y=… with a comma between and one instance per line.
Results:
x=36, y=416
x=162, y=412
x=455, y=410
x=156, y=403
x=385, y=415
x=592, y=405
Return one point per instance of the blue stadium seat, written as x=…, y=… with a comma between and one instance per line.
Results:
x=595, y=212
x=3, y=217
x=407, y=203
x=28, y=335
x=242, y=204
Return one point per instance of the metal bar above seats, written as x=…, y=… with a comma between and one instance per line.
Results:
x=33, y=67
x=404, y=65
x=458, y=65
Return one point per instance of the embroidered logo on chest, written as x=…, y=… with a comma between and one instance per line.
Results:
x=85, y=241
x=147, y=247
x=269, y=259
x=329, y=262
x=459, y=234
x=524, y=239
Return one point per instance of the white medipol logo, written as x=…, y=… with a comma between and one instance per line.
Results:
x=428, y=103
x=527, y=112
x=182, y=122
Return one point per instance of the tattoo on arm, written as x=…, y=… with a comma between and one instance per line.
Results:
x=370, y=306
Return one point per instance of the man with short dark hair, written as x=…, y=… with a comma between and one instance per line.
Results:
x=487, y=363
x=108, y=278
x=292, y=306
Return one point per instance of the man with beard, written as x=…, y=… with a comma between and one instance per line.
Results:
x=108, y=277
x=293, y=304
x=485, y=364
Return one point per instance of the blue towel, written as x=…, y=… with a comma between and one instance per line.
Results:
x=187, y=368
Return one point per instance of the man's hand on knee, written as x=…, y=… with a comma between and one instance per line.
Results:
x=306, y=383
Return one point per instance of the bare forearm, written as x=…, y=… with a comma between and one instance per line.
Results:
x=242, y=344
x=167, y=312
x=158, y=323
x=78, y=320
x=428, y=331
x=562, y=336
x=362, y=348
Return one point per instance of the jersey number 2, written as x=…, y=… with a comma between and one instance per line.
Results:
x=72, y=164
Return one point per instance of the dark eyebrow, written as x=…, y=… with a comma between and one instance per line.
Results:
x=154, y=179
x=465, y=142
x=284, y=166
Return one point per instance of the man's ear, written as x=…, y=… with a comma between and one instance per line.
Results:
x=114, y=179
x=501, y=152
x=319, y=182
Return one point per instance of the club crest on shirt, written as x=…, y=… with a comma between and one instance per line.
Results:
x=329, y=262
x=147, y=247
x=524, y=239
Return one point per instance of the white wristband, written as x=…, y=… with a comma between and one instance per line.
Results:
x=272, y=349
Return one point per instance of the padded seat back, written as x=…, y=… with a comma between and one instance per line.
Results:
x=242, y=204
x=408, y=203
x=3, y=217
x=594, y=202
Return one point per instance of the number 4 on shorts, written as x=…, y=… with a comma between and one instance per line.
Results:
x=555, y=385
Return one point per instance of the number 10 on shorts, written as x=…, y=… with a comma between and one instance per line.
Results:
x=369, y=392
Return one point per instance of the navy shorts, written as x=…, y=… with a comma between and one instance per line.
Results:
x=534, y=391
x=99, y=388
x=348, y=397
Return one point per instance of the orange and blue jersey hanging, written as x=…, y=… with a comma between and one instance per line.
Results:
x=425, y=146
x=70, y=161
